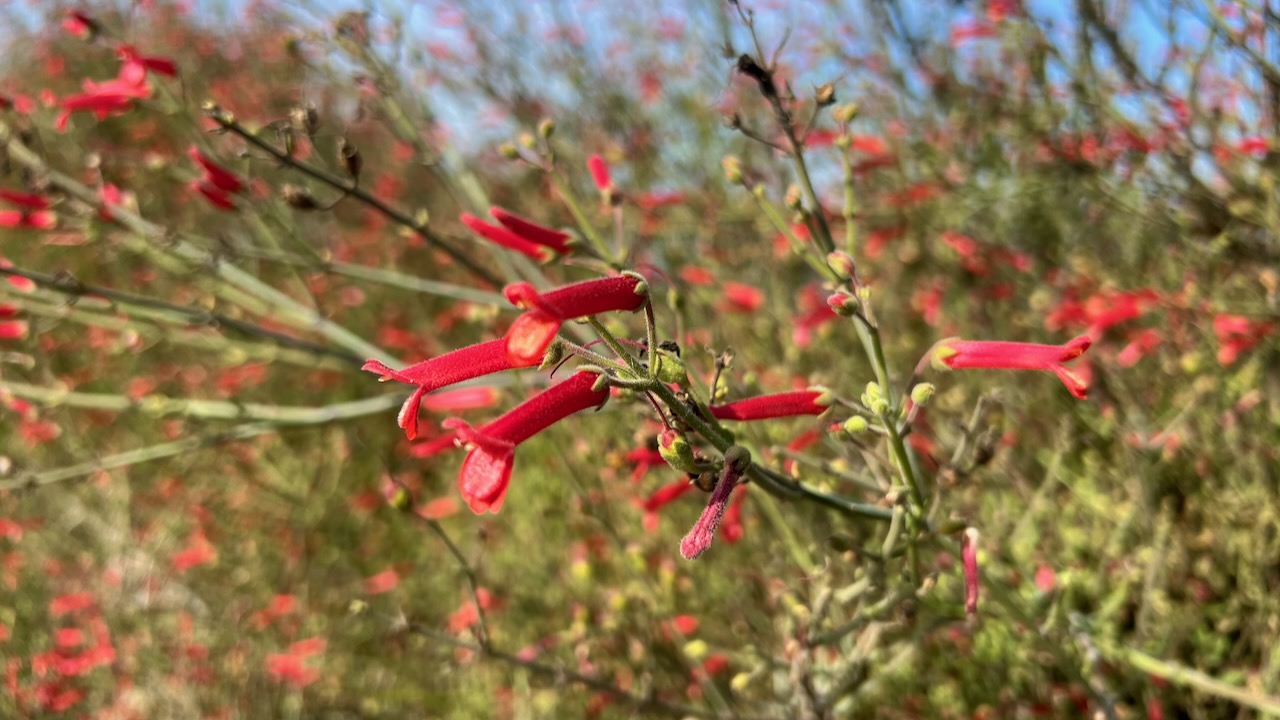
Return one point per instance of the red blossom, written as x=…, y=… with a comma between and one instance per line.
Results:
x=533, y=232
x=600, y=173
x=1000, y=355
x=506, y=238
x=530, y=335
x=214, y=174
x=739, y=297
x=465, y=363
x=486, y=471
x=700, y=536
x=28, y=201
x=764, y=407
x=383, y=582
x=137, y=66
x=969, y=558
x=101, y=104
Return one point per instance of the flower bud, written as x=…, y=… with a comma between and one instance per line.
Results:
x=527, y=141
x=842, y=304
x=842, y=263
x=845, y=113
x=874, y=400
x=675, y=449
x=509, y=151
x=546, y=128
x=855, y=425
x=825, y=95
x=920, y=394
x=792, y=200
x=732, y=169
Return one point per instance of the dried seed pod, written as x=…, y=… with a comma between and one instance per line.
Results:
x=349, y=158
x=298, y=197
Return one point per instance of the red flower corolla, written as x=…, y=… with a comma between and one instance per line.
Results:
x=1237, y=334
x=101, y=104
x=507, y=238
x=80, y=25
x=214, y=174
x=699, y=538
x=24, y=200
x=662, y=497
x=1000, y=355
x=764, y=407
x=969, y=558
x=137, y=66
x=600, y=173
x=486, y=471
x=532, y=332
x=37, y=220
x=532, y=231
x=465, y=363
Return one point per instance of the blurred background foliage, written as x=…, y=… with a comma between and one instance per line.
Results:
x=1022, y=171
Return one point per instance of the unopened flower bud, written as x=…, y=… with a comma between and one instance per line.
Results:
x=842, y=263
x=546, y=128
x=676, y=450
x=874, y=400
x=825, y=95
x=845, y=113
x=527, y=140
x=855, y=425
x=732, y=169
x=793, y=198
x=509, y=151
x=921, y=393
x=842, y=304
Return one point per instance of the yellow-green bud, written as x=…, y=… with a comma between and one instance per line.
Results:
x=855, y=425
x=547, y=128
x=732, y=169
x=921, y=393
x=527, y=140
x=508, y=151
x=825, y=94
x=845, y=113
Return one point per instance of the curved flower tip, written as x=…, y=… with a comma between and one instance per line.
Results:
x=700, y=536
x=484, y=479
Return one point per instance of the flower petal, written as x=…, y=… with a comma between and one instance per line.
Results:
x=484, y=478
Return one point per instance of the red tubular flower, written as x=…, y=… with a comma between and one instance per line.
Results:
x=507, y=239
x=764, y=407
x=214, y=174
x=969, y=558
x=137, y=66
x=532, y=332
x=486, y=471
x=999, y=355
x=533, y=232
x=736, y=461
x=465, y=363
x=600, y=173
x=24, y=200
x=661, y=498
x=99, y=103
